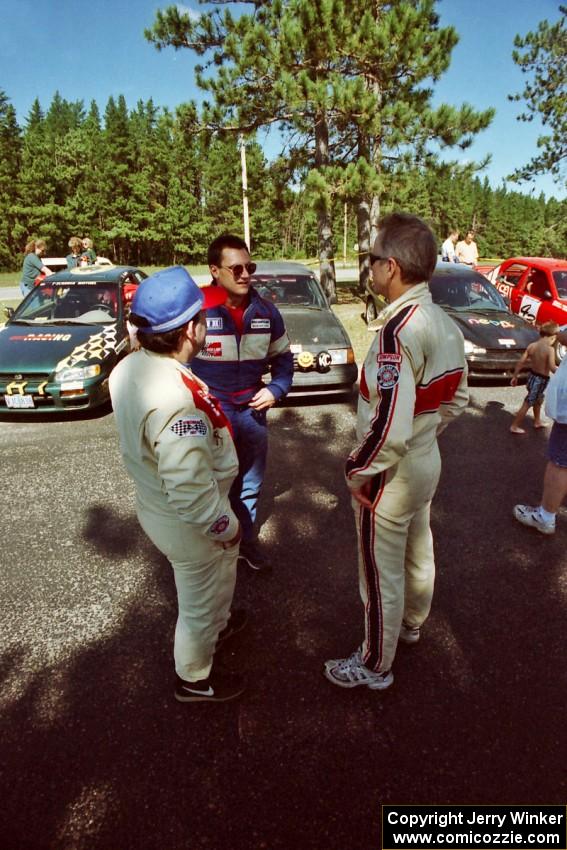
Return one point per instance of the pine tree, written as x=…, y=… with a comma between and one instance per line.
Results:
x=545, y=59
x=10, y=156
x=345, y=79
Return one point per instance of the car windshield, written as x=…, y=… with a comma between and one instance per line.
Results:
x=87, y=302
x=560, y=279
x=282, y=289
x=460, y=293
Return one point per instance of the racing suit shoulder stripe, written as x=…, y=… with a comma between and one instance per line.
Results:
x=389, y=344
x=207, y=403
x=440, y=390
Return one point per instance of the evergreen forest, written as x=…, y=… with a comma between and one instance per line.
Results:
x=150, y=189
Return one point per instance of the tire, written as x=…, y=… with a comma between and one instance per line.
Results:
x=370, y=313
x=560, y=352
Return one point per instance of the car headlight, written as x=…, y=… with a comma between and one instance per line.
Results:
x=471, y=348
x=77, y=373
x=340, y=356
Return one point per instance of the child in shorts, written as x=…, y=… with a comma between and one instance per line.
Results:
x=540, y=356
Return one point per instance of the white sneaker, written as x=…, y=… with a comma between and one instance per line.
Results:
x=350, y=672
x=532, y=517
x=409, y=634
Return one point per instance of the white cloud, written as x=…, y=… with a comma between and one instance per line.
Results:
x=187, y=10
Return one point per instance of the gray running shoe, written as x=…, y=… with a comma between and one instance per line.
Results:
x=531, y=516
x=350, y=672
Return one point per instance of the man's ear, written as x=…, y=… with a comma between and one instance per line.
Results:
x=215, y=271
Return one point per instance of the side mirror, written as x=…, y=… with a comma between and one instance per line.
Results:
x=547, y=296
x=9, y=312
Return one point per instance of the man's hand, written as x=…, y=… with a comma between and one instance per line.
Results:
x=262, y=400
x=362, y=496
x=234, y=540
x=514, y=381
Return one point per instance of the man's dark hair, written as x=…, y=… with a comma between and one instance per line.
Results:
x=411, y=242
x=164, y=343
x=226, y=240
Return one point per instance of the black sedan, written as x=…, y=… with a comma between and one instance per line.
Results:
x=322, y=352
x=495, y=338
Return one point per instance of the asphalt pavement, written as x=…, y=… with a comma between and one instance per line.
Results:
x=96, y=753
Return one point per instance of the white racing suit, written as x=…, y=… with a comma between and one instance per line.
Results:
x=413, y=382
x=177, y=446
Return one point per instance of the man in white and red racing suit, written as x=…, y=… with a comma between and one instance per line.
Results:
x=413, y=383
x=177, y=446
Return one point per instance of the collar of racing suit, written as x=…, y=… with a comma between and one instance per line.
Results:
x=418, y=293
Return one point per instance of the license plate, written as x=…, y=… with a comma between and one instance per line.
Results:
x=19, y=401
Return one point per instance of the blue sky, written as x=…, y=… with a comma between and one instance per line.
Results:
x=91, y=51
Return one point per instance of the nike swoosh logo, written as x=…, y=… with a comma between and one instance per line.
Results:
x=208, y=693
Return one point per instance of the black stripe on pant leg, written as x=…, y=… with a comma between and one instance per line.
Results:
x=374, y=612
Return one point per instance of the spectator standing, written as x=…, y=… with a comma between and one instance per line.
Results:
x=74, y=258
x=542, y=517
x=448, y=254
x=177, y=447
x=246, y=338
x=540, y=356
x=467, y=251
x=88, y=253
x=412, y=384
x=32, y=266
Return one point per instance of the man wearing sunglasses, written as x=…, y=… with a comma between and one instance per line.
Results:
x=246, y=338
x=413, y=383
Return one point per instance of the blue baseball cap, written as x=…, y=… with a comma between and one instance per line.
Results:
x=170, y=298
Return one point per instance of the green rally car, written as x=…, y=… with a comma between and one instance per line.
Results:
x=59, y=346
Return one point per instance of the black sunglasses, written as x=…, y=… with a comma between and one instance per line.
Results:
x=238, y=268
x=375, y=257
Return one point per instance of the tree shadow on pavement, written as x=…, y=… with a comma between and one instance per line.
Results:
x=99, y=756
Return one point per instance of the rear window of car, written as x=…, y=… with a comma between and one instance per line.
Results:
x=473, y=292
x=297, y=290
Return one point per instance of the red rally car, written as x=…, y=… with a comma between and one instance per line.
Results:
x=534, y=287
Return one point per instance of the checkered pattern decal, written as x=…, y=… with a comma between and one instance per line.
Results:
x=96, y=347
x=189, y=428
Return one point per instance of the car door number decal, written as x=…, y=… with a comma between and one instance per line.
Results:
x=529, y=308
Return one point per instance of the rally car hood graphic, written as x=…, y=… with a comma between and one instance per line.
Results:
x=488, y=328
x=43, y=348
x=313, y=326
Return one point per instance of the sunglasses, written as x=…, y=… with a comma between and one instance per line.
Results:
x=375, y=257
x=238, y=268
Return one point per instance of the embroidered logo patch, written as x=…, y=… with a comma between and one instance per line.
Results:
x=383, y=357
x=214, y=323
x=190, y=428
x=387, y=376
x=220, y=525
x=257, y=324
x=212, y=349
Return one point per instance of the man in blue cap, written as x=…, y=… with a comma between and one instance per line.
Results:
x=177, y=446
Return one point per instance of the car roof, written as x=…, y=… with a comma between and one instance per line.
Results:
x=542, y=262
x=274, y=267
x=105, y=274
x=455, y=270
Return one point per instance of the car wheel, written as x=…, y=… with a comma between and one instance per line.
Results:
x=560, y=352
x=371, y=312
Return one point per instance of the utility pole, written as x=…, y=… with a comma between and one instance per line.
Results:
x=244, y=190
x=345, y=235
